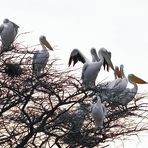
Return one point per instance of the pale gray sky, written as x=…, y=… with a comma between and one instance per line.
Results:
x=121, y=26
x=118, y=25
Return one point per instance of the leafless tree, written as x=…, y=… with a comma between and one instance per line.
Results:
x=54, y=109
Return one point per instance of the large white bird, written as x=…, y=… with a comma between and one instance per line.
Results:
x=90, y=70
x=128, y=94
x=120, y=83
x=41, y=57
x=98, y=112
x=8, y=32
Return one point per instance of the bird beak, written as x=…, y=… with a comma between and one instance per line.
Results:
x=118, y=73
x=16, y=26
x=137, y=80
x=46, y=43
x=108, y=59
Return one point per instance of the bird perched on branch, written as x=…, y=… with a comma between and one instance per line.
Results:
x=120, y=83
x=90, y=70
x=41, y=57
x=128, y=94
x=98, y=112
x=8, y=32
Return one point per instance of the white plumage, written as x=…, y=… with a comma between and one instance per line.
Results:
x=128, y=94
x=98, y=113
x=120, y=83
x=41, y=57
x=90, y=70
x=8, y=32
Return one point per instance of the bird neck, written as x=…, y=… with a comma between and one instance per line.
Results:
x=122, y=72
x=98, y=102
x=43, y=47
x=95, y=57
x=135, y=88
x=101, y=58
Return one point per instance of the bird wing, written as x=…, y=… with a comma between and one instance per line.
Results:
x=35, y=58
x=76, y=56
x=125, y=97
x=113, y=84
x=105, y=64
x=1, y=28
x=119, y=84
x=98, y=116
x=15, y=27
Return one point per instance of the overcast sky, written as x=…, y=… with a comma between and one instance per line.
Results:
x=121, y=26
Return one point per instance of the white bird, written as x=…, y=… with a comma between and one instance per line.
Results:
x=120, y=83
x=98, y=112
x=90, y=70
x=41, y=57
x=8, y=32
x=128, y=94
x=117, y=74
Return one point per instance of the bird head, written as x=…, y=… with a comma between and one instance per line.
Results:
x=6, y=20
x=93, y=51
x=45, y=42
x=136, y=79
x=107, y=56
x=94, y=55
x=96, y=99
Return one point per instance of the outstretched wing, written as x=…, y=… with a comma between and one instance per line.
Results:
x=15, y=27
x=105, y=65
x=1, y=28
x=76, y=56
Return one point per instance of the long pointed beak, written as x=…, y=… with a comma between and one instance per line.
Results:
x=46, y=43
x=137, y=80
x=108, y=59
x=16, y=26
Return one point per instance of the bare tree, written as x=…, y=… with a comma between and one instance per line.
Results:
x=54, y=109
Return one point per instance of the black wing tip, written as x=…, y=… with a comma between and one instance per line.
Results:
x=69, y=63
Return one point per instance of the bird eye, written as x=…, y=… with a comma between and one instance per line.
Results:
x=42, y=37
